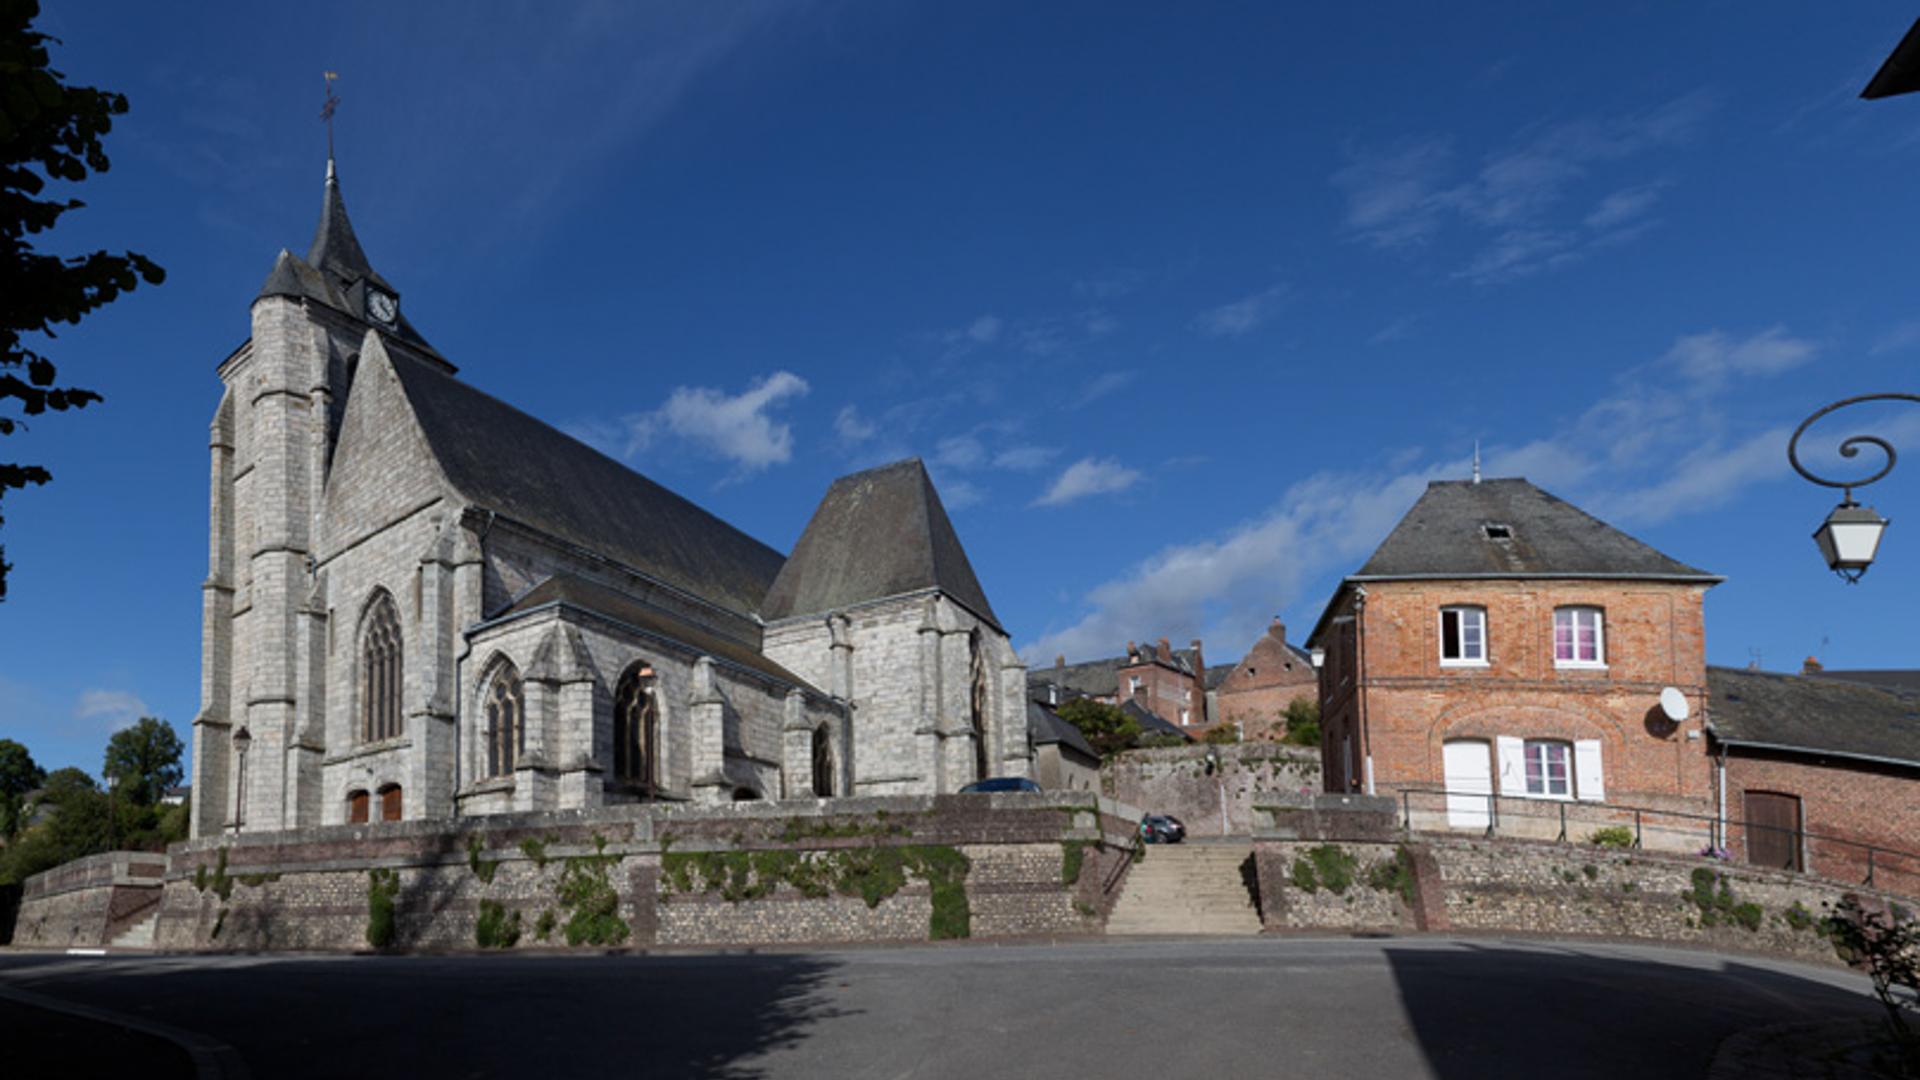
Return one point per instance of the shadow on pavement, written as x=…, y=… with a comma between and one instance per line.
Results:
x=477, y=1016
x=1486, y=1011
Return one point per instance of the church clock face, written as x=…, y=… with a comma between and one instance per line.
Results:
x=382, y=307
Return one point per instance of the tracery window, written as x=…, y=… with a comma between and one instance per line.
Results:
x=506, y=713
x=381, y=672
x=636, y=727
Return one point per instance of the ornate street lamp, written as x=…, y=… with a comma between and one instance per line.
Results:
x=1850, y=536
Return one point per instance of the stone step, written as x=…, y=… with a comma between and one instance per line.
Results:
x=139, y=935
x=1193, y=888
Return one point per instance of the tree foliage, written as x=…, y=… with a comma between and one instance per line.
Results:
x=18, y=776
x=1106, y=727
x=49, y=133
x=1221, y=735
x=1300, y=723
x=143, y=761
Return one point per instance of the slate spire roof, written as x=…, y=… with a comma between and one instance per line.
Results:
x=1512, y=529
x=876, y=534
x=335, y=263
x=335, y=249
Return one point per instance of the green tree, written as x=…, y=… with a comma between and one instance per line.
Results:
x=143, y=761
x=49, y=132
x=1221, y=735
x=1106, y=727
x=1302, y=722
x=18, y=776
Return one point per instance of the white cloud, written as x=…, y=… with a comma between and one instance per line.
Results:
x=1241, y=316
x=1714, y=355
x=1404, y=194
x=1623, y=206
x=736, y=427
x=1898, y=339
x=851, y=426
x=1025, y=458
x=984, y=330
x=960, y=494
x=959, y=452
x=1657, y=447
x=1088, y=476
x=1106, y=383
x=114, y=708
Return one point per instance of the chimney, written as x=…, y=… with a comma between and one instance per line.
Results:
x=1166, y=652
x=1133, y=654
x=1059, y=660
x=1811, y=666
x=1277, y=630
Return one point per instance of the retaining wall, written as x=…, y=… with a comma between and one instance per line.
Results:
x=745, y=873
x=1387, y=881
x=1174, y=780
x=88, y=901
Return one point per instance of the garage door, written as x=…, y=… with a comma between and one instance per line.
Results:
x=1469, y=781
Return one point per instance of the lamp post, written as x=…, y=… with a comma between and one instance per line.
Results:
x=1850, y=537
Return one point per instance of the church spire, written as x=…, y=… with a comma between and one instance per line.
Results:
x=336, y=251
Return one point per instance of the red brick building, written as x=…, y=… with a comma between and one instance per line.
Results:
x=1501, y=642
x=1254, y=694
x=1168, y=683
x=1818, y=770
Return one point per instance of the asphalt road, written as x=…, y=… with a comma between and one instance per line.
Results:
x=1162, y=1010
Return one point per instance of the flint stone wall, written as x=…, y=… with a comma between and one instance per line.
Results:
x=1174, y=780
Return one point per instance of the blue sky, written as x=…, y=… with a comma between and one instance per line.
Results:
x=1184, y=304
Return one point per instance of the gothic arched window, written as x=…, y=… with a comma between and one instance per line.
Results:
x=506, y=710
x=822, y=762
x=977, y=702
x=636, y=728
x=381, y=671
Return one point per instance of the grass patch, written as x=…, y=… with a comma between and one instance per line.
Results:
x=587, y=894
x=871, y=873
x=536, y=849
x=1394, y=875
x=1325, y=866
x=1714, y=899
x=1073, y=856
x=1613, y=836
x=482, y=868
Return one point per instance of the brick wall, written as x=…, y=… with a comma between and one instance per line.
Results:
x=1387, y=692
x=1256, y=693
x=1860, y=801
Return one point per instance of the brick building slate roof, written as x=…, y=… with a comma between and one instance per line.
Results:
x=1445, y=535
x=1890, y=678
x=1150, y=721
x=876, y=534
x=1045, y=727
x=503, y=460
x=584, y=595
x=1814, y=715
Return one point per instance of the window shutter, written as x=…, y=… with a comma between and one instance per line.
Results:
x=1586, y=771
x=1512, y=755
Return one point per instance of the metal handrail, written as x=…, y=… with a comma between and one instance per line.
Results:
x=1132, y=849
x=1714, y=821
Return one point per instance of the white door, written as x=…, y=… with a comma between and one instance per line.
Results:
x=1469, y=782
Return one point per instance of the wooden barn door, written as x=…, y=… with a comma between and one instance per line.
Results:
x=1773, y=830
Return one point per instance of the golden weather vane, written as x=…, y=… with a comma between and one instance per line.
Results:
x=326, y=111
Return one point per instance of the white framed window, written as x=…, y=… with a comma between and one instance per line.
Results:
x=1133, y=684
x=1549, y=764
x=1185, y=717
x=1463, y=636
x=1579, y=637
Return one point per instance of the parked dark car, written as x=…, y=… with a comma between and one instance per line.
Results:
x=1000, y=783
x=1162, y=829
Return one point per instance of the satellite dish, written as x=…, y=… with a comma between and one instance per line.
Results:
x=1674, y=704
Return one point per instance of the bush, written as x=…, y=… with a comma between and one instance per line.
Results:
x=382, y=886
x=1394, y=875
x=1886, y=947
x=1302, y=721
x=1614, y=836
x=496, y=928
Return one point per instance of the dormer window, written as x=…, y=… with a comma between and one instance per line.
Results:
x=1496, y=531
x=1463, y=636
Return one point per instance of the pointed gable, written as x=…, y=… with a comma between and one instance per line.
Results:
x=1512, y=529
x=876, y=534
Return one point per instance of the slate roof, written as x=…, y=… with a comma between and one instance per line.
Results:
x=503, y=460
x=876, y=534
x=1814, y=715
x=585, y=595
x=1891, y=678
x=1444, y=535
x=1101, y=678
x=1150, y=722
x=1045, y=727
x=333, y=263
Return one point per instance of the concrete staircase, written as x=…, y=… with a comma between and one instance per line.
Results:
x=139, y=935
x=1190, y=888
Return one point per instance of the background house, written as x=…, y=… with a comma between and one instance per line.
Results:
x=1254, y=693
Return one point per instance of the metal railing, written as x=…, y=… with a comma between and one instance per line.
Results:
x=1656, y=829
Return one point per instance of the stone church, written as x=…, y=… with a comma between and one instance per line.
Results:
x=423, y=603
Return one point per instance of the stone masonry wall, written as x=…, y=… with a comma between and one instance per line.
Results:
x=1528, y=887
x=88, y=901
x=675, y=875
x=1174, y=781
